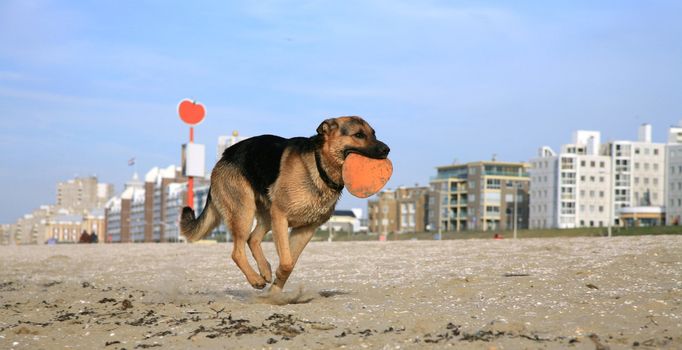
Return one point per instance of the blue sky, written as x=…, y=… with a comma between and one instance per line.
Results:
x=84, y=86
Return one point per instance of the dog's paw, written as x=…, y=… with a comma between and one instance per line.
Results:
x=266, y=273
x=259, y=283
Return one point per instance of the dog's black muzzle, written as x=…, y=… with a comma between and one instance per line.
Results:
x=378, y=151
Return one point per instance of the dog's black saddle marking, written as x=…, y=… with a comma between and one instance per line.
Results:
x=259, y=157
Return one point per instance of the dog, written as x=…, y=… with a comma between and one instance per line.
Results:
x=282, y=183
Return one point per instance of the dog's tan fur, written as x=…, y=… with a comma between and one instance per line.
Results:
x=299, y=199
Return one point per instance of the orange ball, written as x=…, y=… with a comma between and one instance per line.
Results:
x=365, y=176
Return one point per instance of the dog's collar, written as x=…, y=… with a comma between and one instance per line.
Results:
x=323, y=174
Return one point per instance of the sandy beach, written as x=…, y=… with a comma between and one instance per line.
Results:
x=577, y=293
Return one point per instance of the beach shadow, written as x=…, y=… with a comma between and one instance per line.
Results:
x=240, y=294
x=299, y=296
x=332, y=293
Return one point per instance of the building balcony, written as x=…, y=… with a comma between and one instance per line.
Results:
x=507, y=173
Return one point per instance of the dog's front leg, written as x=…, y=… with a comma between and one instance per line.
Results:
x=280, y=235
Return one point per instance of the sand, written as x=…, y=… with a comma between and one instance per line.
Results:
x=577, y=293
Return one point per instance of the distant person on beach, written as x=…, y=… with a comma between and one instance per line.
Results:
x=85, y=237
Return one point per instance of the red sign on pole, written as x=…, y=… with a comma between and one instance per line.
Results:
x=191, y=112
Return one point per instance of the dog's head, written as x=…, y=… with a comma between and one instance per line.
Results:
x=346, y=135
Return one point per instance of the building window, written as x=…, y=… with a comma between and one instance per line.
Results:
x=492, y=197
x=567, y=208
x=567, y=163
x=655, y=151
x=492, y=209
x=493, y=184
x=602, y=164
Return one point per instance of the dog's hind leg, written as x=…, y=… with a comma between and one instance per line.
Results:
x=237, y=205
x=240, y=225
x=255, y=239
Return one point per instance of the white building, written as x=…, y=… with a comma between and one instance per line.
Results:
x=175, y=201
x=639, y=179
x=575, y=188
x=571, y=189
x=118, y=211
x=673, y=183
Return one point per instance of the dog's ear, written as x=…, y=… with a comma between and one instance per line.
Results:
x=327, y=126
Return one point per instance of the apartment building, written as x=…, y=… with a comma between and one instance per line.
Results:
x=673, y=175
x=118, y=212
x=486, y=195
x=157, y=181
x=6, y=234
x=77, y=207
x=590, y=184
x=66, y=227
x=149, y=210
x=571, y=189
x=146, y=210
x=399, y=211
x=83, y=193
x=31, y=228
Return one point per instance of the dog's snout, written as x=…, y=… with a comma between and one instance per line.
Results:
x=383, y=149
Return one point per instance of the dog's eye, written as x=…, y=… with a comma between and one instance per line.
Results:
x=359, y=135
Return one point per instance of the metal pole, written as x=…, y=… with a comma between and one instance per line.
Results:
x=331, y=230
x=516, y=206
x=516, y=209
x=613, y=179
x=190, y=180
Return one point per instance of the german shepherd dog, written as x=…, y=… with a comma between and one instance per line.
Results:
x=282, y=183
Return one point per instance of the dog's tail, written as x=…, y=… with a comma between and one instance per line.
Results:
x=195, y=229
